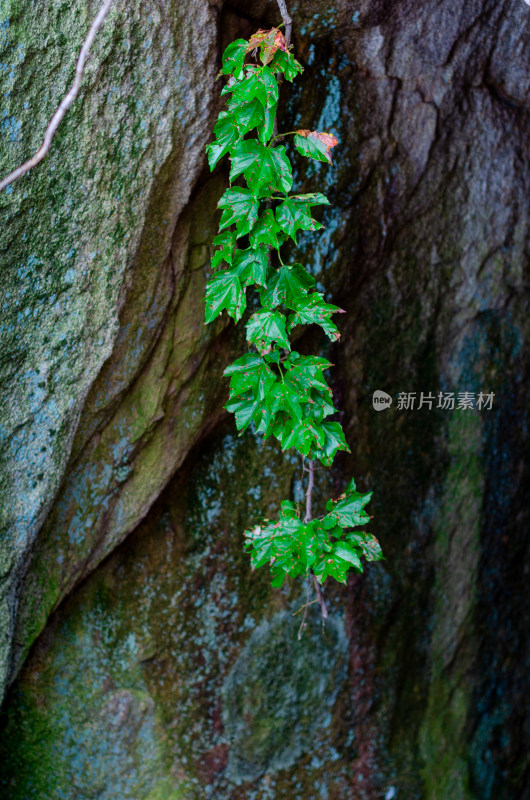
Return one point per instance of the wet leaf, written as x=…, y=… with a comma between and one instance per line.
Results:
x=251, y=265
x=288, y=285
x=266, y=327
x=240, y=207
x=266, y=169
x=294, y=213
x=266, y=230
x=224, y=292
x=312, y=309
x=315, y=145
x=234, y=58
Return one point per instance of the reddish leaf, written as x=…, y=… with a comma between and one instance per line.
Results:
x=257, y=38
x=270, y=41
x=280, y=43
x=319, y=143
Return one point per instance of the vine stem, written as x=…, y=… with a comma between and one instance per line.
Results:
x=288, y=28
x=301, y=628
x=309, y=493
x=66, y=102
x=307, y=518
x=286, y=19
x=281, y=136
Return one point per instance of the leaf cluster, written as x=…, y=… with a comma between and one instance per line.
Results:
x=324, y=545
x=274, y=388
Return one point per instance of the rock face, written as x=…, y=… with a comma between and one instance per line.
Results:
x=88, y=235
x=161, y=667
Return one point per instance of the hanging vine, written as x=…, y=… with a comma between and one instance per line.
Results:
x=276, y=389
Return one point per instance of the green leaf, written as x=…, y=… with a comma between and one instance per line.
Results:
x=249, y=409
x=266, y=327
x=251, y=265
x=250, y=374
x=265, y=131
x=246, y=363
x=334, y=568
x=288, y=510
x=267, y=93
x=302, y=436
x=294, y=214
x=313, y=309
x=368, y=544
x=240, y=208
x=260, y=84
x=333, y=440
x=348, y=554
x=224, y=291
x=244, y=410
x=349, y=512
x=266, y=170
x=253, y=115
x=310, y=199
x=287, y=64
x=282, y=397
x=248, y=117
x=279, y=543
x=306, y=371
x=288, y=285
x=310, y=544
x=321, y=405
x=265, y=231
x=226, y=243
x=234, y=58
x=244, y=156
x=351, y=487
x=227, y=134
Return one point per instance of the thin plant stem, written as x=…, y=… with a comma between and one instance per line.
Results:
x=323, y=606
x=286, y=19
x=288, y=28
x=66, y=102
x=301, y=628
x=309, y=493
x=307, y=518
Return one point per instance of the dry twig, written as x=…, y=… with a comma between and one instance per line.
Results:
x=66, y=102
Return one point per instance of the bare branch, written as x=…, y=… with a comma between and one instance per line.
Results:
x=66, y=102
x=287, y=20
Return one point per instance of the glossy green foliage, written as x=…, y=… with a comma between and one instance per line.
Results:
x=326, y=545
x=274, y=388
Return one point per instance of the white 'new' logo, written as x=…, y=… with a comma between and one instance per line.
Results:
x=381, y=400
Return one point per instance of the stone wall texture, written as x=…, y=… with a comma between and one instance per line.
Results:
x=140, y=658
